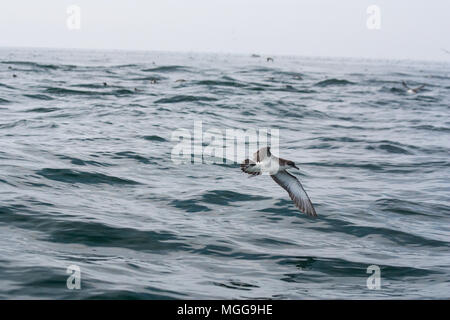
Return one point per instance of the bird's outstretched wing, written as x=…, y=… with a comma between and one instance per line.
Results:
x=419, y=88
x=250, y=167
x=295, y=191
x=405, y=85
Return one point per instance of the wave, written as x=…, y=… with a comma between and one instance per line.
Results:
x=75, y=176
x=333, y=82
x=185, y=98
x=89, y=85
x=384, y=145
x=13, y=124
x=296, y=75
x=225, y=197
x=338, y=267
x=386, y=167
x=154, y=138
x=237, y=285
x=221, y=83
x=259, y=70
x=39, y=65
x=152, y=294
x=396, y=236
x=390, y=149
x=122, y=92
x=38, y=96
x=432, y=128
x=42, y=110
x=64, y=91
x=132, y=155
x=289, y=88
x=214, y=197
x=150, y=78
x=172, y=68
x=89, y=233
x=404, y=207
x=189, y=205
x=80, y=162
x=6, y=86
x=4, y=101
x=119, y=66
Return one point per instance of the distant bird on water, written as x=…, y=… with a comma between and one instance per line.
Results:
x=412, y=90
x=269, y=59
x=264, y=161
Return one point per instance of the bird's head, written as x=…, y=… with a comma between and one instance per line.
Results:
x=292, y=165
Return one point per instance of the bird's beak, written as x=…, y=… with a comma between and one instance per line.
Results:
x=296, y=167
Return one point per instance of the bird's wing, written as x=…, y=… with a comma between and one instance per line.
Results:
x=296, y=191
x=251, y=167
x=405, y=85
x=419, y=88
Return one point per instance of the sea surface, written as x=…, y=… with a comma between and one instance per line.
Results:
x=87, y=178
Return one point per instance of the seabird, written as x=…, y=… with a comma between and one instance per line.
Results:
x=14, y=75
x=269, y=59
x=412, y=90
x=105, y=84
x=264, y=161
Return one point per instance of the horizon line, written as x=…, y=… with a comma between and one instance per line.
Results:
x=227, y=53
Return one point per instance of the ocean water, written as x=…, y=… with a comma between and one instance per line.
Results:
x=86, y=177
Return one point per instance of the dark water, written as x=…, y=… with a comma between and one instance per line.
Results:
x=86, y=177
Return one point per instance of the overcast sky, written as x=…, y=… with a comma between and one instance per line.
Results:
x=411, y=29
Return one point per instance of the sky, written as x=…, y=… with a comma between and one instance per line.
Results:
x=399, y=29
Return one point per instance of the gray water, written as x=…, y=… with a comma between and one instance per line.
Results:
x=86, y=177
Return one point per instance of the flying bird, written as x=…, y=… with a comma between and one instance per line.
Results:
x=412, y=90
x=263, y=161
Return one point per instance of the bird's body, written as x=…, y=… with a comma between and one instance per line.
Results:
x=265, y=163
x=412, y=90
